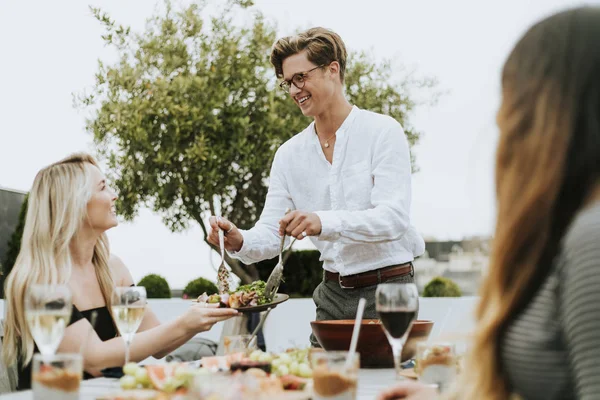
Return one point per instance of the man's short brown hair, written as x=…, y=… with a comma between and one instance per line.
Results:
x=322, y=46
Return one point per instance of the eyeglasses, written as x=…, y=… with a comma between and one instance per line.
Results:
x=299, y=80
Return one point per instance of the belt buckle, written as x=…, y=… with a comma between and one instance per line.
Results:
x=342, y=285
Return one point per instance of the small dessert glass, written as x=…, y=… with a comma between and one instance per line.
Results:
x=436, y=363
x=332, y=378
x=56, y=377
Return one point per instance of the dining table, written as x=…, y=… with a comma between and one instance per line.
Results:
x=370, y=383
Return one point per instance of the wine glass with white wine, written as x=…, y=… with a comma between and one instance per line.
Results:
x=128, y=305
x=48, y=311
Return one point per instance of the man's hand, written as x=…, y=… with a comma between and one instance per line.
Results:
x=233, y=237
x=410, y=391
x=300, y=224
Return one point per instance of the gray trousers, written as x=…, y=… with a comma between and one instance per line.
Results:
x=334, y=303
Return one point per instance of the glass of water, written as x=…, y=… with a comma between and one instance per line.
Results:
x=239, y=344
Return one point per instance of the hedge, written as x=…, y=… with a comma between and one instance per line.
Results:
x=441, y=287
x=156, y=286
x=198, y=286
x=302, y=273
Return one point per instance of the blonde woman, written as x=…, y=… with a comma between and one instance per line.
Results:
x=538, y=332
x=64, y=241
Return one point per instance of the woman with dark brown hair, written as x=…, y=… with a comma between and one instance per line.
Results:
x=538, y=332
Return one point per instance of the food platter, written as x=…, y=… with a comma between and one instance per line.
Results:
x=284, y=376
x=277, y=299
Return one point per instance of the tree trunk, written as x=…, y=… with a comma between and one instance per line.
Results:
x=246, y=273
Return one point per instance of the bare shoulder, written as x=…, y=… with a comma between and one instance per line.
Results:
x=120, y=272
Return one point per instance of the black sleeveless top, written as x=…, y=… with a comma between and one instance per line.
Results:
x=105, y=328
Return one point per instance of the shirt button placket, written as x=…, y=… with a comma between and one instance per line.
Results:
x=333, y=193
x=333, y=184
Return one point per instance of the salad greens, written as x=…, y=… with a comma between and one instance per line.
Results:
x=258, y=287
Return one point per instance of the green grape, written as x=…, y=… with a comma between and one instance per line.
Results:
x=182, y=372
x=255, y=355
x=142, y=376
x=282, y=370
x=276, y=363
x=265, y=357
x=294, y=367
x=128, y=382
x=285, y=358
x=130, y=369
x=182, y=381
x=304, y=371
x=169, y=385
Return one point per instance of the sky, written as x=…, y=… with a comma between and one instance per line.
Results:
x=50, y=50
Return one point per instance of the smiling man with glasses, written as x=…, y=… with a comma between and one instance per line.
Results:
x=347, y=178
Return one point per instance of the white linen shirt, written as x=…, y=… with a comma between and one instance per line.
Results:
x=362, y=198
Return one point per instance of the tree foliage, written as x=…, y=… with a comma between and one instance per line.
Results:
x=14, y=246
x=191, y=110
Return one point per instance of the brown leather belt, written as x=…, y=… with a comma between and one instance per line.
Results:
x=370, y=278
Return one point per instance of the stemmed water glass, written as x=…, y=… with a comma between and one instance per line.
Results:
x=397, y=305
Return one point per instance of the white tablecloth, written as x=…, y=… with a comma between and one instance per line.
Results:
x=370, y=383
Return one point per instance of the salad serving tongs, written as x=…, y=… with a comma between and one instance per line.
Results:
x=275, y=278
x=223, y=276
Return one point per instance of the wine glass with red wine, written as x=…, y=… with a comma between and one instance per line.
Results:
x=397, y=305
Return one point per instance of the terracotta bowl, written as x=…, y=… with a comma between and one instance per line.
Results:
x=373, y=345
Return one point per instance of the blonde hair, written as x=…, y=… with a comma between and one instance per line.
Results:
x=322, y=46
x=57, y=206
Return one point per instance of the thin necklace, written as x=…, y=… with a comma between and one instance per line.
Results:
x=326, y=145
